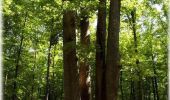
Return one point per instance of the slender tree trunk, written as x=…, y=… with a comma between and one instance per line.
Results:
x=14, y=96
x=71, y=77
x=121, y=86
x=54, y=54
x=100, y=52
x=48, y=72
x=6, y=80
x=112, y=58
x=39, y=92
x=53, y=91
x=84, y=67
x=34, y=66
x=33, y=77
x=16, y=69
x=32, y=88
x=132, y=91
x=156, y=88
x=153, y=86
x=154, y=81
x=147, y=89
x=139, y=83
x=53, y=40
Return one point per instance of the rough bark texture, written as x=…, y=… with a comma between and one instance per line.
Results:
x=71, y=80
x=84, y=85
x=112, y=58
x=84, y=25
x=100, y=51
x=84, y=67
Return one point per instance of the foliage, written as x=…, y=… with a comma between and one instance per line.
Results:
x=34, y=22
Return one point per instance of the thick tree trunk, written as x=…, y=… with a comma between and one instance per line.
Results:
x=112, y=58
x=100, y=52
x=84, y=67
x=84, y=86
x=71, y=77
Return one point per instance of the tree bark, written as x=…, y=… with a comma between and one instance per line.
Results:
x=71, y=77
x=100, y=52
x=84, y=67
x=112, y=58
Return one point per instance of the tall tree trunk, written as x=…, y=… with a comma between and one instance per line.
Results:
x=100, y=52
x=132, y=91
x=19, y=51
x=139, y=82
x=33, y=77
x=48, y=72
x=53, y=40
x=71, y=77
x=16, y=69
x=147, y=89
x=154, y=80
x=34, y=66
x=112, y=58
x=53, y=92
x=84, y=67
x=121, y=85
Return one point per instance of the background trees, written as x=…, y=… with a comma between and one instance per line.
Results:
x=36, y=33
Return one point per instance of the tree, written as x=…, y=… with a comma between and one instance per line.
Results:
x=139, y=82
x=71, y=80
x=84, y=66
x=100, y=51
x=19, y=51
x=112, y=57
x=40, y=48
